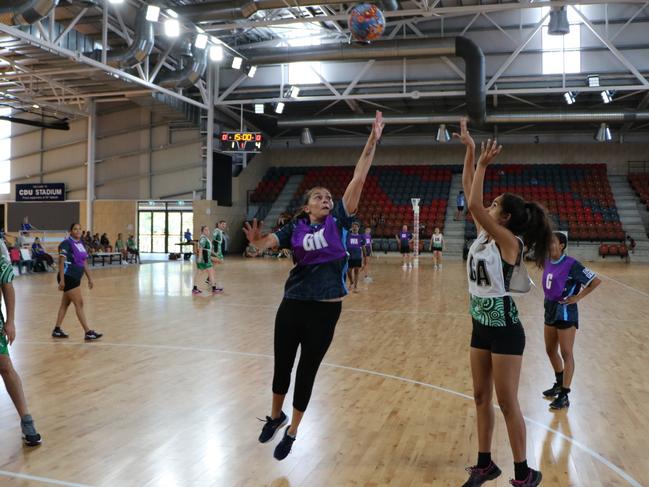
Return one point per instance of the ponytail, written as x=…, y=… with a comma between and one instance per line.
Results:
x=538, y=232
x=531, y=222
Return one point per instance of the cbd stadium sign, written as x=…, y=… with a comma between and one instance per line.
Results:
x=40, y=192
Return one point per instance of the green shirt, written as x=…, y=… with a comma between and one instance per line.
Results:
x=206, y=250
x=130, y=243
x=6, y=276
x=217, y=240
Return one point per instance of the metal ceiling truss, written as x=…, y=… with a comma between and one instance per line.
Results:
x=68, y=83
x=350, y=92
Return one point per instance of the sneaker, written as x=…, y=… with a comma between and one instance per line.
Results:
x=404, y=266
x=196, y=291
x=93, y=335
x=271, y=427
x=59, y=333
x=283, y=448
x=30, y=435
x=478, y=476
x=218, y=290
x=560, y=402
x=533, y=479
x=553, y=391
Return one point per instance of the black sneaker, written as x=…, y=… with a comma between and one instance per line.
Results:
x=478, y=476
x=560, y=402
x=553, y=391
x=30, y=435
x=93, y=335
x=533, y=479
x=283, y=448
x=271, y=427
x=58, y=333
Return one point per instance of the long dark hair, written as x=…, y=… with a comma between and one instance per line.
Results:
x=305, y=202
x=74, y=225
x=531, y=222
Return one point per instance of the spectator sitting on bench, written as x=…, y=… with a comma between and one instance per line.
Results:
x=18, y=259
x=39, y=254
x=131, y=248
x=120, y=246
x=105, y=243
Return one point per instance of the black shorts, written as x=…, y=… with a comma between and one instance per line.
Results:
x=404, y=249
x=505, y=340
x=438, y=249
x=70, y=282
x=355, y=263
x=563, y=325
x=560, y=316
x=460, y=208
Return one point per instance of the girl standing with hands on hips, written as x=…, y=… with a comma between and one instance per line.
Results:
x=495, y=262
x=314, y=290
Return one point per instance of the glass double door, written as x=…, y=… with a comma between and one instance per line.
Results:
x=160, y=231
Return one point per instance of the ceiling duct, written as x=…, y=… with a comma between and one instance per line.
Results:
x=26, y=12
x=496, y=118
x=242, y=9
x=140, y=48
x=194, y=63
x=558, y=25
x=391, y=49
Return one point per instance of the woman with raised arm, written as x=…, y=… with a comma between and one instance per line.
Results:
x=498, y=338
x=314, y=290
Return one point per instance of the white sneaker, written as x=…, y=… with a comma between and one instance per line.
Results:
x=404, y=266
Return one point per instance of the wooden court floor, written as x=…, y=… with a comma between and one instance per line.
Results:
x=169, y=397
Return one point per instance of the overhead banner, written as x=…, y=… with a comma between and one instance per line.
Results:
x=40, y=192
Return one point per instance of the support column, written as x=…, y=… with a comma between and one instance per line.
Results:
x=90, y=165
x=209, y=159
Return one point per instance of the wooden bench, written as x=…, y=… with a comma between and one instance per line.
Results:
x=111, y=256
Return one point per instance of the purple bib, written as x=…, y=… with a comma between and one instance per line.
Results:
x=405, y=236
x=368, y=240
x=354, y=241
x=316, y=244
x=79, y=254
x=555, y=276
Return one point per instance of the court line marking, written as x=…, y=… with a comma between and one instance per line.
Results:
x=642, y=293
x=603, y=460
x=24, y=476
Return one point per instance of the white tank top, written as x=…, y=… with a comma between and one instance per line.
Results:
x=485, y=269
x=437, y=240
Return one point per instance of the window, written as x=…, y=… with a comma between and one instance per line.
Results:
x=303, y=73
x=5, y=153
x=561, y=54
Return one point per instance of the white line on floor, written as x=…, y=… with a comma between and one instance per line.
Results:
x=628, y=478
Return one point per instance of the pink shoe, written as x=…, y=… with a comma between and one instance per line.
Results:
x=196, y=291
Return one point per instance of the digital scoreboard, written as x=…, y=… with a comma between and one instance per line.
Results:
x=241, y=141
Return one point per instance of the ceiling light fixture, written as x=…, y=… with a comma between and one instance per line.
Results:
x=201, y=41
x=252, y=71
x=237, y=62
x=153, y=13
x=603, y=134
x=607, y=96
x=172, y=28
x=569, y=96
x=259, y=108
x=216, y=53
x=279, y=108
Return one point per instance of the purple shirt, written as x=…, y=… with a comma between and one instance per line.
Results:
x=75, y=257
x=319, y=254
x=405, y=237
x=355, y=244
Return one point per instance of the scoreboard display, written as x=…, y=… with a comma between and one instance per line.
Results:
x=241, y=141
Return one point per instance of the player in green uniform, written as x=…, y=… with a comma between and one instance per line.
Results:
x=204, y=260
x=218, y=241
x=7, y=336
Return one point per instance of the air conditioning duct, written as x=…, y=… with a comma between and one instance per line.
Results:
x=394, y=49
x=140, y=48
x=26, y=12
x=194, y=63
x=558, y=25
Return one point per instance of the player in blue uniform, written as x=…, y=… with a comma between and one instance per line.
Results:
x=565, y=282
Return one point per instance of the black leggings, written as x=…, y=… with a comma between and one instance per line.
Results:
x=311, y=325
